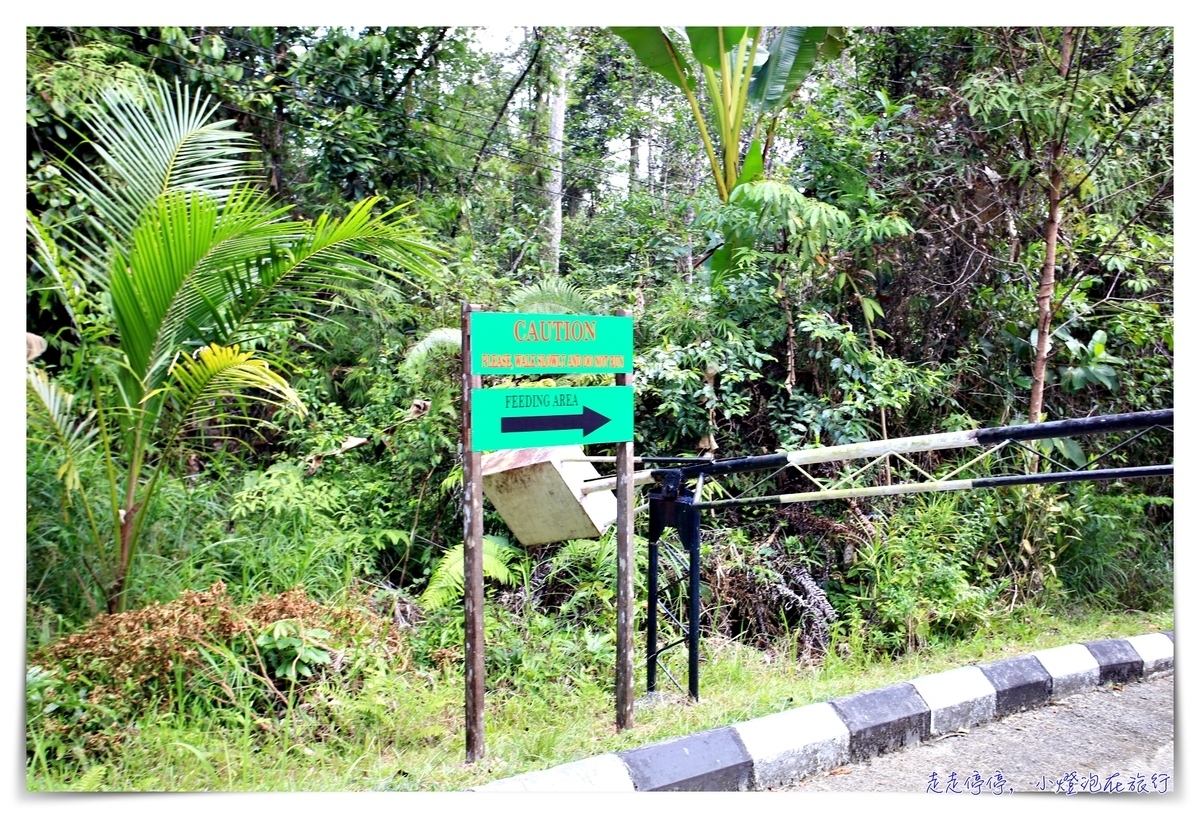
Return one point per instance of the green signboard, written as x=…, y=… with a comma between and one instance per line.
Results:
x=507, y=343
x=528, y=418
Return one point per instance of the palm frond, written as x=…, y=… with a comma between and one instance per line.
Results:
x=446, y=583
x=217, y=373
x=154, y=140
x=359, y=244
x=52, y=422
x=162, y=289
x=261, y=267
x=550, y=295
x=47, y=256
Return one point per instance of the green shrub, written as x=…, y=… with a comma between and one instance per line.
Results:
x=1122, y=559
x=916, y=579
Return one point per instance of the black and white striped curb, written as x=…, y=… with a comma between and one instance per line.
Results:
x=777, y=750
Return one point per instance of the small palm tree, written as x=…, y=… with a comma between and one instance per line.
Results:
x=168, y=286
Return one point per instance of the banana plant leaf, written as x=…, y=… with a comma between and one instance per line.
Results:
x=752, y=167
x=656, y=51
x=707, y=42
x=790, y=60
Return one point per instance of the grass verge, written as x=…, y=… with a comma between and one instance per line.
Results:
x=404, y=731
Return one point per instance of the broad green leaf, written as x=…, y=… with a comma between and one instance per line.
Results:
x=790, y=60
x=815, y=44
x=655, y=50
x=771, y=85
x=834, y=42
x=1106, y=375
x=707, y=43
x=720, y=261
x=753, y=166
x=1071, y=450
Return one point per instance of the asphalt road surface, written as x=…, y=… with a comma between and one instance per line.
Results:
x=1122, y=738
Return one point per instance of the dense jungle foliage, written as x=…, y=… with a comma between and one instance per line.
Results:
x=248, y=248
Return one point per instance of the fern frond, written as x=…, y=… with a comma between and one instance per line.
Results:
x=550, y=295
x=446, y=583
x=454, y=479
x=441, y=338
x=585, y=560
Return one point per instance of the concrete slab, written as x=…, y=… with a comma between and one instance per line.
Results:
x=795, y=744
x=957, y=699
x=883, y=720
x=1072, y=670
x=604, y=773
x=1118, y=661
x=712, y=761
x=1021, y=683
x=1157, y=652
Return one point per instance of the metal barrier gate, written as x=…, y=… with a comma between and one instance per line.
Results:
x=676, y=505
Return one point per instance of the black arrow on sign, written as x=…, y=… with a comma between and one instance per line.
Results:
x=586, y=421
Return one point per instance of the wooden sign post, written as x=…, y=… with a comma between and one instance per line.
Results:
x=625, y=565
x=472, y=552
x=498, y=419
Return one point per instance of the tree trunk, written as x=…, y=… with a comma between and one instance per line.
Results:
x=650, y=169
x=557, y=71
x=634, y=146
x=1044, y=297
x=512, y=92
x=275, y=153
x=1046, y=289
x=690, y=216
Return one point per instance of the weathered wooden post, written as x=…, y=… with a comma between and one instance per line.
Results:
x=625, y=568
x=473, y=554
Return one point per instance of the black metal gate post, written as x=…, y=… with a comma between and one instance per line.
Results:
x=658, y=508
x=689, y=532
x=676, y=512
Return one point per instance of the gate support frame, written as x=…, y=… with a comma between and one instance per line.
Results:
x=680, y=513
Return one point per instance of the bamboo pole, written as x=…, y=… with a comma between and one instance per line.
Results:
x=1132, y=472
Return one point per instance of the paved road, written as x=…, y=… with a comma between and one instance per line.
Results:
x=1108, y=736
